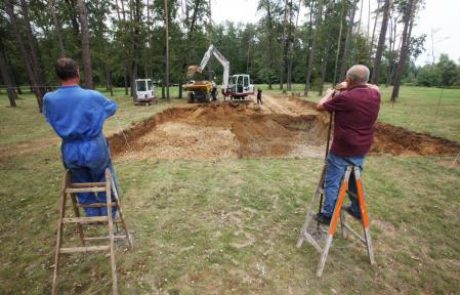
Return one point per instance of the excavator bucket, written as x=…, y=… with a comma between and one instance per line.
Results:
x=192, y=70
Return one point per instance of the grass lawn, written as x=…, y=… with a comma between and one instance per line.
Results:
x=230, y=226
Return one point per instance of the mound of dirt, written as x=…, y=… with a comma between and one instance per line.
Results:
x=288, y=128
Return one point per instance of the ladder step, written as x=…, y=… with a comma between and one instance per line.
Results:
x=93, y=189
x=96, y=205
x=85, y=219
x=87, y=184
x=83, y=249
x=119, y=237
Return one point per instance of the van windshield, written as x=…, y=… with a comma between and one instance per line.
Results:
x=140, y=86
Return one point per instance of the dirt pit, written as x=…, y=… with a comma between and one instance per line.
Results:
x=281, y=128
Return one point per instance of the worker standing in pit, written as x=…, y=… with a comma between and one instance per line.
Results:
x=214, y=90
x=259, y=96
x=77, y=115
x=356, y=109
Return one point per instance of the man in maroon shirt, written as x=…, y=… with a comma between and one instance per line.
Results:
x=356, y=109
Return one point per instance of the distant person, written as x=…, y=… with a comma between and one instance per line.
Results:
x=77, y=115
x=259, y=96
x=214, y=90
x=356, y=109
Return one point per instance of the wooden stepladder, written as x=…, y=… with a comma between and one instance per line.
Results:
x=69, y=191
x=306, y=233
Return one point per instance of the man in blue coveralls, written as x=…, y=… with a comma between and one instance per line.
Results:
x=77, y=115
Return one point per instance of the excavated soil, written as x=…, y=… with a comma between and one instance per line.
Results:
x=281, y=128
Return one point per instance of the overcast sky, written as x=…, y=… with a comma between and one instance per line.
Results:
x=439, y=18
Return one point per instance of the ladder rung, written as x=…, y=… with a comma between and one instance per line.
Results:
x=93, y=189
x=87, y=184
x=361, y=238
x=84, y=249
x=85, y=219
x=119, y=237
x=96, y=205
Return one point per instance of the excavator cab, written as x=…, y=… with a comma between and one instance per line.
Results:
x=240, y=86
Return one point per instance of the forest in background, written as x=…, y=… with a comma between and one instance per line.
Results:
x=116, y=42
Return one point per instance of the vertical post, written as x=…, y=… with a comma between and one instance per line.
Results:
x=167, y=49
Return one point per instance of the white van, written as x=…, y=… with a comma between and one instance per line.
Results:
x=145, y=91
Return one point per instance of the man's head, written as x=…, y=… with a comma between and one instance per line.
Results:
x=358, y=75
x=67, y=69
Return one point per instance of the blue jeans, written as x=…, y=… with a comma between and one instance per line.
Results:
x=335, y=171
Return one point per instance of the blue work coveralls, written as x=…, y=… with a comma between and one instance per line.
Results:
x=77, y=115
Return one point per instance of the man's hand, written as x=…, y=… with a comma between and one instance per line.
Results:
x=373, y=87
x=326, y=98
x=341, y=86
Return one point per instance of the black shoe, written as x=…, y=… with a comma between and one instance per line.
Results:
x=323, y=219
x=352, y=213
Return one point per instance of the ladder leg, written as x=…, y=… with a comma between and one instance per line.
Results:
x=365, y=218
x=343, y=225
x=65, y=183
x=322, y=260
x=334, y=221
x=120, y=212
x=108, y=177
x=308, y=216
x=77, y=214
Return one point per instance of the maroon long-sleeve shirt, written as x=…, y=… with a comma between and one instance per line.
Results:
x=356, y=111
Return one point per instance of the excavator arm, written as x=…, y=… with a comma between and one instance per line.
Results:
x=212, y=50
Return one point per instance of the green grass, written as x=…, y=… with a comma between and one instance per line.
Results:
x=230, y=227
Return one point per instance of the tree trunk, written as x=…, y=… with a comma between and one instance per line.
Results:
x=371, y=49
x=6, y=77
x=408, y=15
x=389, y=79
x=325, y=54
x=73, y=17
x=285, y=47
x=25, y=57
x=167, y=49
x=290, y=51
x=108, y=80
x=57, y=27
x=339, y=40
x=86, y=53
x=381, y=43
x=311, y=38
x=33, y=48
x=311, y=56
x=270, y=45
x=126, y=76
x=346, y=47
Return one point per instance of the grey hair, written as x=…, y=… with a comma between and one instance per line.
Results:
x=358, y=74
